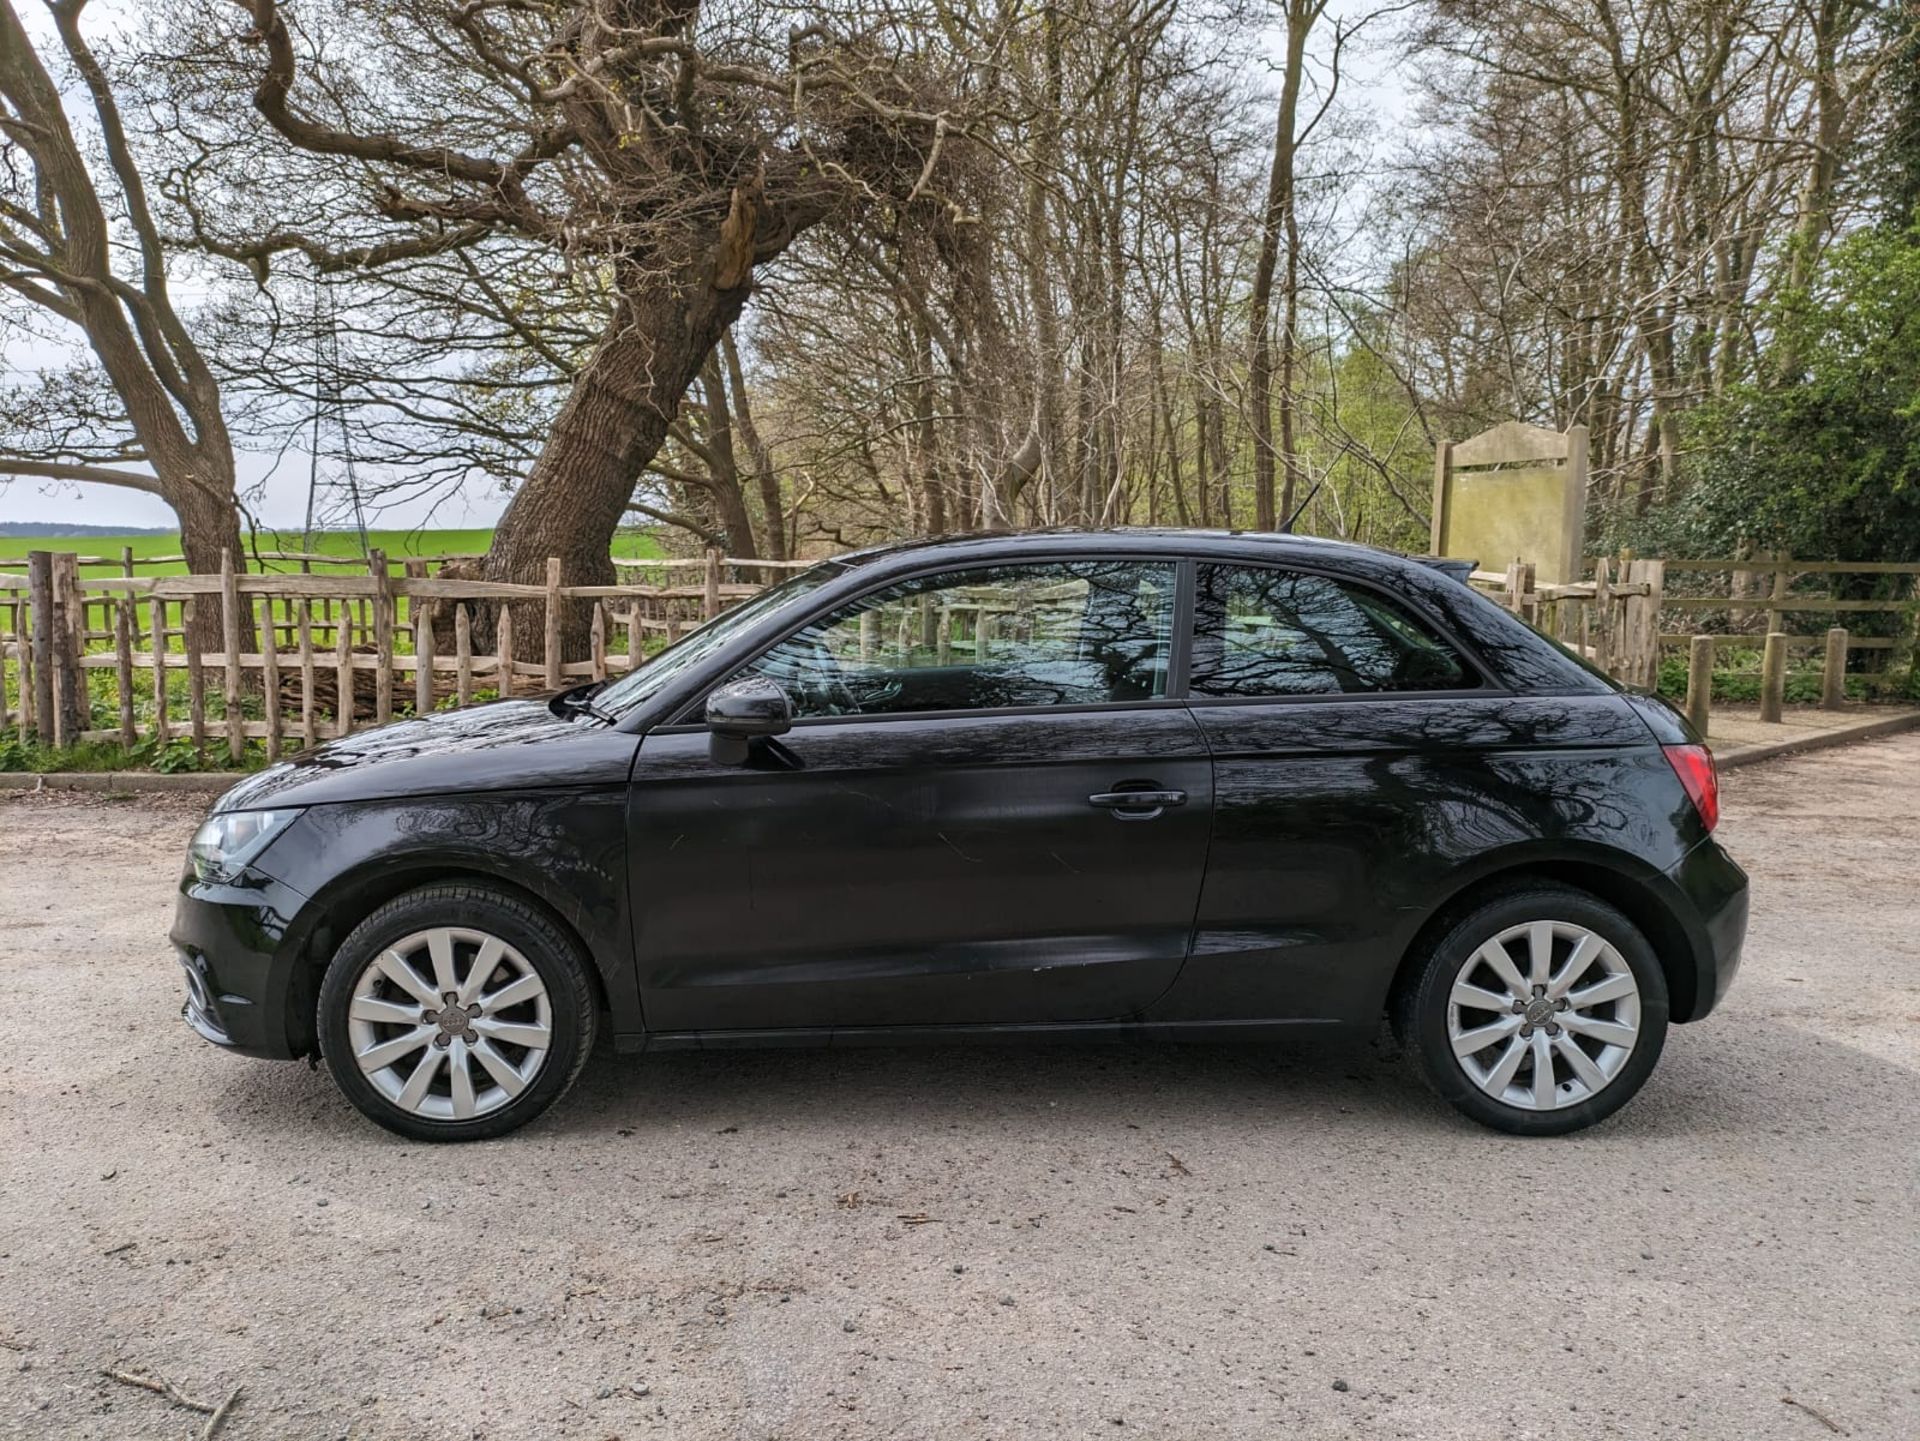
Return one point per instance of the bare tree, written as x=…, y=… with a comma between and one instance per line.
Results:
x=669, y=147
x=80, y=248
x=1280, y=226
x=1615, y=187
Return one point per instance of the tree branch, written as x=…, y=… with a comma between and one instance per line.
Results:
x=64, y=470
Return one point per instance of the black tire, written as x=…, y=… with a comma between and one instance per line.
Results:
x=1419, y=1010
x=544, y=947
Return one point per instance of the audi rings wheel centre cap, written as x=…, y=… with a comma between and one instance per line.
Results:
x=454, y=1020
x=1539, y=1011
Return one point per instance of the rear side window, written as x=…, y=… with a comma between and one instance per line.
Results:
x=1265, y=632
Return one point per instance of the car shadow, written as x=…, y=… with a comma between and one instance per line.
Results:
x=942, y=1084
x=1730, y=1076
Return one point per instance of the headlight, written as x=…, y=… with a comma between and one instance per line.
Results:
x=230, y=840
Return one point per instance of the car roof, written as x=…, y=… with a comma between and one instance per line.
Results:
x=1147, y=540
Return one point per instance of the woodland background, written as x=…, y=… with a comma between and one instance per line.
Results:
x=783, y=278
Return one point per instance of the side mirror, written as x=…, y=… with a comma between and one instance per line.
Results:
x=743, y=711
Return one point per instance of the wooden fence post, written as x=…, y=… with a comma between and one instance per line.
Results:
x=1773, y=676
x=343, y=678
x=382, y=636
x=196, y=681
x=69, y=601
x=123, y=627
x=270, y=671
x=713, y=583
x=462, y=655
x=599, y=640
x=1656, y=576
x=1700, y=681
x=126, y=569
x=1833, y=680
x=1640, y=659
x=635, y=653
x=162, y=733
x=230, y=641
x=72, y=706
x=552, y=638
x=420, y=626
x=1601, y=626
x=23, y=647
x=422, y=656
x=503, y=648
x=40, y=604
x=309, y=734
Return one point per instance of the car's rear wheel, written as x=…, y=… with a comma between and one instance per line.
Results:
x=455, y=1013
x=1539, y=1012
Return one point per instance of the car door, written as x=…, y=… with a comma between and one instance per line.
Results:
x=987, y=811
x=1361, y=763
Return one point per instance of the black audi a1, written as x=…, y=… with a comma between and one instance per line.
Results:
x=1141, y=784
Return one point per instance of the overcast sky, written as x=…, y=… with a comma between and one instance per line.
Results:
x=274, y=487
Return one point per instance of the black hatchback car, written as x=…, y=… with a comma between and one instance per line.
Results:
x=1153, y=784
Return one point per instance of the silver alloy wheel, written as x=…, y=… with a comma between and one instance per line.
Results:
x=450, y=1024
x=1550, y=1029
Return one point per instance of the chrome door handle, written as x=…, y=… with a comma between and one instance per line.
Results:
x=1137, y=805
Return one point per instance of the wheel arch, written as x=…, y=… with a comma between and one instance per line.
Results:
x=357, y=894
x=1627, y=884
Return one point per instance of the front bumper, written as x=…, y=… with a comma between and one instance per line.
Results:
x=239, y=946
x=1714, y=891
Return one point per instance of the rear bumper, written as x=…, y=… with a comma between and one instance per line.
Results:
x=1713, y=892
x=238, y=947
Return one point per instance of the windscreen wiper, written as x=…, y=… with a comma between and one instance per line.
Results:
x=583, y=704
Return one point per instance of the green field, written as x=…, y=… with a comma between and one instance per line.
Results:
x=398, y=544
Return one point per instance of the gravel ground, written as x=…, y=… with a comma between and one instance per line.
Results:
x=1176, y=1242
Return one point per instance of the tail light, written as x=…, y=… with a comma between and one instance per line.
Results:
x=1694, y=766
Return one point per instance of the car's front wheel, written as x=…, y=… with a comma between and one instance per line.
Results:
x=456, y=1012
x=1539, y=1012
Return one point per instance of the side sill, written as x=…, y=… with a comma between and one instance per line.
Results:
x=985, y=1033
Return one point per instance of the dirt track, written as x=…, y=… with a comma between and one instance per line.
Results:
x=1179, y=1242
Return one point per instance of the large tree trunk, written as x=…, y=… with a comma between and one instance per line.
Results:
x=1278, y=224
x=1289, y=357
x=209, y=529
x=613, y=423
x=773, y=512
x=723, y=464
x=933, y=492
x=1048, y=359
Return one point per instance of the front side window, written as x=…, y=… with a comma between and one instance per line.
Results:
x=1045, y=634
x=1263, y=632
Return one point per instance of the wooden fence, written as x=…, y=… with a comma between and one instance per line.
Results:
x=129, y=564
x=1617, y=619
x=323, y=656
x=305, y=657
